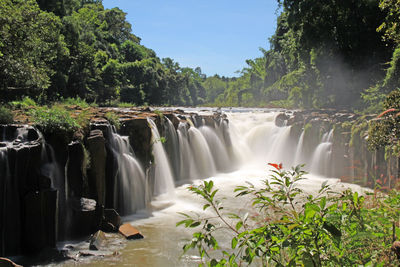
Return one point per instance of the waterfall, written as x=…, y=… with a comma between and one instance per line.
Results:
x=188, y=168
x=131, y=186
x=202, y=154
x=270, y=143
x=163, y=181
x=172, y=148
x=299, y=150
x=322, y=155
x=217, y=148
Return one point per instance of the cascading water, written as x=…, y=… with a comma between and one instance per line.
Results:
x=188, y=168
x=234, y=151
x=202, y=154
x=217, y=148
x=131, y=189
x=163, y=179
x=172, y=147
x=322, y=155
x=299, y=150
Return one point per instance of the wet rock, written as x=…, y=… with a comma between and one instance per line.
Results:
x=97, y=241
x=173, y=119
x=140, y=136
x=130, y=232
x=111, y=221
x=97, y=171
x=85, y=218
x=75, y=169
x=8, y=263
x=39, y=228
x=281, y=119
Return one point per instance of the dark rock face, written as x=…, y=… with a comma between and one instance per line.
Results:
x=84, y=217
x=39, y=229
x=97, y=171
x=350, y=159
x=111, y=221
x=139, y=134
x=76, y=171
x=29, y=206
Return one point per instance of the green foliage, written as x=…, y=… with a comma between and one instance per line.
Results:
x=113, y=119
x=385, y=132
x=125, y=105
x=25, y=103
x=75, y=102
x=293, y=228
x=55, y=121
x=6, y=116
x=29, y=44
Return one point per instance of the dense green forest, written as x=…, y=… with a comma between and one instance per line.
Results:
x=338, y=53
x=51, y=49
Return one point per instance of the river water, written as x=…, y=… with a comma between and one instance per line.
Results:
x=231, y=155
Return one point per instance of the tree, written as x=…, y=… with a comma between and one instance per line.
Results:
x=29, y=43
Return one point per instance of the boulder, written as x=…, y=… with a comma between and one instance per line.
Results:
x=97, y=241
x=111, y=221
x=281, y=119
x=130, y=232
x=85, y=218
x=8, y=263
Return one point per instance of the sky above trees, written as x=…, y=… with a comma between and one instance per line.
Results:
x=217, y=36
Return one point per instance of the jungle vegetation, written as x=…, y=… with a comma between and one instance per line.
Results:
x=324, y=54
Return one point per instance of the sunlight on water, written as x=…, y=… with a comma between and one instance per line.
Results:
x=255, y=139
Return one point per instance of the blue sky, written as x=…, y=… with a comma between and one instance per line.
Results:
x=217, y=36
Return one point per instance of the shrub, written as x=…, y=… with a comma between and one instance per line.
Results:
x=55, y=121
x=293, y=228
x=113, y=119
x=6, y=116
x=26, y=102
x=125, y=105
x=76, y=101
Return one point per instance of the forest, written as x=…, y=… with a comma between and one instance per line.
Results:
x=331, y=54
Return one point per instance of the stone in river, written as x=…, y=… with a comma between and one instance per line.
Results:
x=130, y=232
x=8, y=263
x=97, y=241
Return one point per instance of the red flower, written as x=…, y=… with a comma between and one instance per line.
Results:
x=276, y=166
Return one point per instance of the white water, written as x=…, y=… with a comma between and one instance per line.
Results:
x=254, y=141
x=320, y=163
x=163, y=179
x=131, y=189
x=188, y=168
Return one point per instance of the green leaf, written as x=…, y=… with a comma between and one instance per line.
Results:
x=239, y=225
x=234, y=242
x=322, y=203
x=194, y=224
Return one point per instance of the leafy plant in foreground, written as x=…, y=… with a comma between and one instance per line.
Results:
x=294, y=228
